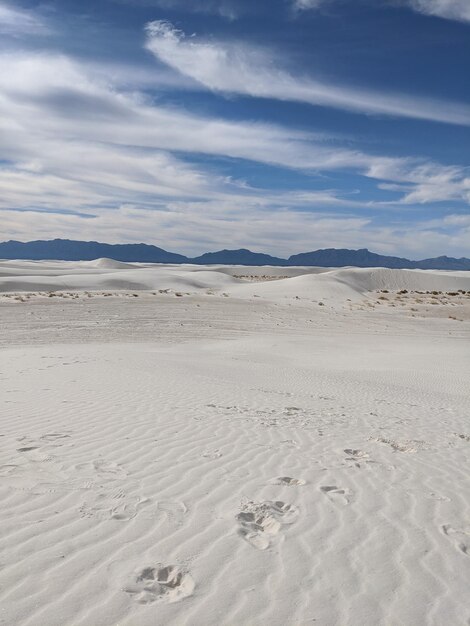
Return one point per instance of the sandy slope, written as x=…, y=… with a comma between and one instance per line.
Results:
x=246, y=459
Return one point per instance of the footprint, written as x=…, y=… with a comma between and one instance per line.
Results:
x=169, y=583
x=431, y=495
x=54, y=438
x=260, y=521
x=461, y=537
x=407, y=446
x=103, y=469
x=337, y=494
x=174, y=512
x=355, y=454
x=212, y=454
x=287, y=480
x=127, y=511
x=103, y=506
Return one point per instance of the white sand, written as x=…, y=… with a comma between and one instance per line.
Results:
x=293, y=452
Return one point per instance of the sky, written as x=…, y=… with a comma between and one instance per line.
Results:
x=281, y=126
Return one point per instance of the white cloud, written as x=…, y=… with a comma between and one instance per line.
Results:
x=76, y=143
x=219, y=226
x=235, y=68
x=425, y=182
x=458, y=10
x=229, y=9
x=54, y=111
x=306, y=5
x=449, y=9
x=20, y=22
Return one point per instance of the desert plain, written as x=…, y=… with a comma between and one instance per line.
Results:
x=205, y=446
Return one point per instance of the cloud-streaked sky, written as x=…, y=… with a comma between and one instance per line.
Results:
x=280, y=125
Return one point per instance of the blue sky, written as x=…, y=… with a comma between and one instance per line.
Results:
x=278, y=125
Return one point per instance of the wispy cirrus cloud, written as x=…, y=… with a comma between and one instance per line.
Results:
x=60, y=118
x=17, y=22
x=229, y=9
x=425, y=182
x=236, y=68
x=306, y=5
x=458, y=10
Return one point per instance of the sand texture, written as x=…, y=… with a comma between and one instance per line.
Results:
x=210, y=446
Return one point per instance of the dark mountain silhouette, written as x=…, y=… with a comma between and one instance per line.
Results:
x=238, y=257
x=68, y=250
x=359, y=258
x=444, y=262
x=333, y=257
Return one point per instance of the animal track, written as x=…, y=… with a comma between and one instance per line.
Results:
x=168, y=583
x=461, y=537
x=261, y=521
x=290, y=482
x=337, y=494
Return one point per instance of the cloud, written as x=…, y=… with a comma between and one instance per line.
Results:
x=289, y=233
x=57, y=116
x=458, y=10
x=75, y=143
x=228, y=9
x=20, y=22
x=306, y=5
x=235, y=68
x=425, y=182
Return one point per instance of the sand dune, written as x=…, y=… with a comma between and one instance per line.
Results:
x=239, y=460
x=307, y=282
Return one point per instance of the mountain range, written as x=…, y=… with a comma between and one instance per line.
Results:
x=69, y=250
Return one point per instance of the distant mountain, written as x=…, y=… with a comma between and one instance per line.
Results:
x=444, y=262
x=333, y=257
x=238, y=257
x=359, y=258
x=67, y=250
